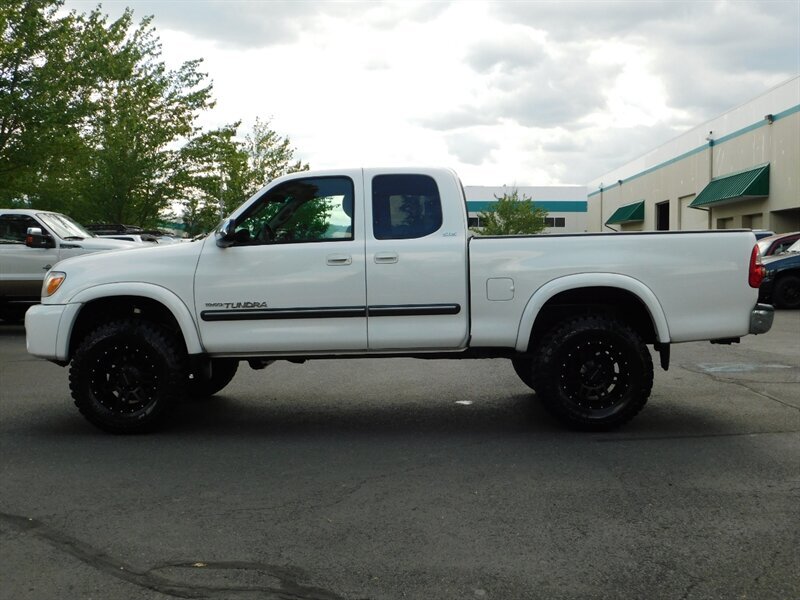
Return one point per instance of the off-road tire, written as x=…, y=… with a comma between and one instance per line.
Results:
x=787, y=292
x=127, y=374
x=593, y=372
x=201, y=385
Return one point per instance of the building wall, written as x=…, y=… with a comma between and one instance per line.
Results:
x=566, y=201
x=677, y=171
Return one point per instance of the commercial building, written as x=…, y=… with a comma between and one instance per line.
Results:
x=739, y=170
x=566, y=205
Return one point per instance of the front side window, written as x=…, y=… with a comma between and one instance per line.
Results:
x=405, y=206
x=315, y=209
x=14, y=228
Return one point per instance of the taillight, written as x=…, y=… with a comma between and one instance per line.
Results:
x=756, y=268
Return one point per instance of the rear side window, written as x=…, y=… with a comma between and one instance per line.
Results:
x=405, y=206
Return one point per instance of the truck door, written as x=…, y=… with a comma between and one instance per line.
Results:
x=22, y=269
x=416, y=260
x=294, y=279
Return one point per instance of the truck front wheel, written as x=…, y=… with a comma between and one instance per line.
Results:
x=593, y=372
x=126, y=375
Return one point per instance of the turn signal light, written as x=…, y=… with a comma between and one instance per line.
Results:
x=756, y=268
x=52, y=282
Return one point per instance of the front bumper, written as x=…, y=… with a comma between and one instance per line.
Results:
x=47, y=328
x=761, y=318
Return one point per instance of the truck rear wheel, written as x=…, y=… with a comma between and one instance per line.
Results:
x=593, y=372
x=126, y=375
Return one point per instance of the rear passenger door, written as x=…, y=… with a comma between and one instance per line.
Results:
x=416, y=261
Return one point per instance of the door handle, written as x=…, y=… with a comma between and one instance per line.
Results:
x=339, y=260
x=386, y=258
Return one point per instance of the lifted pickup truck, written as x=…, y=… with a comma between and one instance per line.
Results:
x=380, y=263
x=25, y=259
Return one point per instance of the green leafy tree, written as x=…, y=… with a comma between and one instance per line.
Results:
x=222, y=171
x=512, y=215
x=141, y=112
x=214, y=177
x=48, y=67
x=90, y=117
x=270, y=155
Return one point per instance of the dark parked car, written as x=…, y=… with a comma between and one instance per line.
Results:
x=775, y=244
x=781, y=285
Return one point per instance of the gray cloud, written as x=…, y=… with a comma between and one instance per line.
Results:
x=247, y=24
x=469, y=148
x=710, y=55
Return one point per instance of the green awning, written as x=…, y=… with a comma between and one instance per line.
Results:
x=630, y=213
x=746, y=185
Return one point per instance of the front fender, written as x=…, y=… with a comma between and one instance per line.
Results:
x=158, y=293
x=584, y=280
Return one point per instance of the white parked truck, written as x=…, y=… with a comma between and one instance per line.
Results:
x=380, y=263
x=31, y=243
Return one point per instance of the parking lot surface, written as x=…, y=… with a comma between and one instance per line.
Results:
x=404, y=478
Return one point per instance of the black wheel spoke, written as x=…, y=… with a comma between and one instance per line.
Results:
x=126, y=374
x=593, y=372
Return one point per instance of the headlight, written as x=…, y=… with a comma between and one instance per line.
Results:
x=52, y=282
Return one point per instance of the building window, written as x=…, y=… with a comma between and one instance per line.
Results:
x=555, y=222
x=474, y=222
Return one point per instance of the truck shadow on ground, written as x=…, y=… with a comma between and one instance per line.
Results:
x=516, y=414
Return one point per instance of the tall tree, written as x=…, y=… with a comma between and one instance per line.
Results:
x=90, y=117
x=47, y=72
x=223, y=170
x=141, y=112
x=512, y=215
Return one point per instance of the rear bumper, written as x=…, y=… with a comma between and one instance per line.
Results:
x=761, y=318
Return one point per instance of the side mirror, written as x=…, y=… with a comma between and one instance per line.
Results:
x=226, y=234
x=35, y=238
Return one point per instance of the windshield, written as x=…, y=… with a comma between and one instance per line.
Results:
x=794, y=247
x=63, y=226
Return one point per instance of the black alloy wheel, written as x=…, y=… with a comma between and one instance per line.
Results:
x=593, y=372
x=126, y=375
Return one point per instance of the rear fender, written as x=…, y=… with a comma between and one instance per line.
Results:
x=583, y=280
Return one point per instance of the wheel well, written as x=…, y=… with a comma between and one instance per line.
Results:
x=103, y=310
x=619, y=303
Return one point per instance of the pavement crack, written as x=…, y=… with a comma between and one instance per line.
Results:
x=741, y=384
x=285, y=586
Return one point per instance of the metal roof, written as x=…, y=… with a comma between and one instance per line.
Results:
x=734, y=188
x=630, y=213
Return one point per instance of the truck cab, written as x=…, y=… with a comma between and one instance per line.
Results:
x=313, y=260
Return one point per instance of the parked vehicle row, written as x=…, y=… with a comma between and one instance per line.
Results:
x=781, y=284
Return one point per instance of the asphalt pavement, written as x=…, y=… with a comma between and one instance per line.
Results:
x=403, y=478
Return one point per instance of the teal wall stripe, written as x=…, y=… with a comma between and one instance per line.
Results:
x=704, y=147
x=561, y=206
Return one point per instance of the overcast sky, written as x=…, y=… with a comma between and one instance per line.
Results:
x=507, y=93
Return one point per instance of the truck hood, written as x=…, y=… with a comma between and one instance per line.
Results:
x=96, y=244
x=166, y=266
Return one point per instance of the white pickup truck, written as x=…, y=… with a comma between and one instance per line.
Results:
x=380, y=263
x=31, y=242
